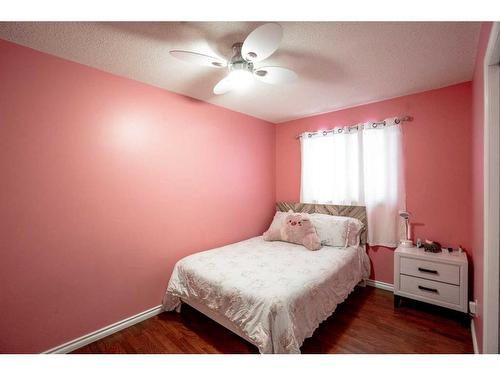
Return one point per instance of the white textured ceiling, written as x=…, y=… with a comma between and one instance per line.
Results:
x=340, y=64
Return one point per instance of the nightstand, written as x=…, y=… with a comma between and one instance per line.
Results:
x=437, y=278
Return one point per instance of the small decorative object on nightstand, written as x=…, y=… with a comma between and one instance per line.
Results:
x=406, y=242
x=437, y=278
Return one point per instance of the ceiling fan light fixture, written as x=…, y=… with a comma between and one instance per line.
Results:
x=240, y=78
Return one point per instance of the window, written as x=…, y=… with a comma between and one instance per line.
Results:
x=361, y=165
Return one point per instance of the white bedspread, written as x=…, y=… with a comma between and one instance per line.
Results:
x=277, y=293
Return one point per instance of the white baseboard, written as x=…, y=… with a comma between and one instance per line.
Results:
x=474, y=337
x=103, y=332
x=380, y=285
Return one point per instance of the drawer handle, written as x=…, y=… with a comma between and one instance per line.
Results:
x=427, y=270
x=427, y=289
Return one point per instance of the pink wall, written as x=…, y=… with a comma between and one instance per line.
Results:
x=478, y=175
x=438, y=163
x=123, y=187
x=105, y=183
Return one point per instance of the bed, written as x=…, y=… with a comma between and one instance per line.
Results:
x=272, y=294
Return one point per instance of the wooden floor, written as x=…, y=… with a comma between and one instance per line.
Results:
x=365, y=323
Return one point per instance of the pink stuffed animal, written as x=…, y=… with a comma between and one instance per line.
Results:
x=297, y=229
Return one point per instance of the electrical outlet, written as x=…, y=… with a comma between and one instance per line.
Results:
x=472, y=307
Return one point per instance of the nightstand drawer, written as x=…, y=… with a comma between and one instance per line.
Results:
x=430, y=289
x=447, y=273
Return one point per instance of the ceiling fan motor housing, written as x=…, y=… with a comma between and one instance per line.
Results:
x=237, y=62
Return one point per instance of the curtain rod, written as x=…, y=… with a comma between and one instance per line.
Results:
x=397, y=120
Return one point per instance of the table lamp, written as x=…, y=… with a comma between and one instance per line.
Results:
x=406, y=242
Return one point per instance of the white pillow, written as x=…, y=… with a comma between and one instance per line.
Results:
x=331, y=232
x=337, y=231
x=355, y=229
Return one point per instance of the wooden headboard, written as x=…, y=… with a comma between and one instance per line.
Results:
x=357, y=212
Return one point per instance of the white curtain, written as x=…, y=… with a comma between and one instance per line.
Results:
x=362, y=166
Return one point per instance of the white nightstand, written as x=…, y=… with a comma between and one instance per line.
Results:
x=437, y=278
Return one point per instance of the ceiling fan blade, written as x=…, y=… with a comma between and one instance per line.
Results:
x=275, y=75
x=223, y=86
x=262, y=42
x=199, y=58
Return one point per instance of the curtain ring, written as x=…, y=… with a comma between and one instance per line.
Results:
x=325, y=132
x=385, y=123
x=309, y=135
x=341, y=130
x=374, y=125
x=397, y=121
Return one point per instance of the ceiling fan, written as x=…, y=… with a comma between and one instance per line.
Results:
x=259, y=45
